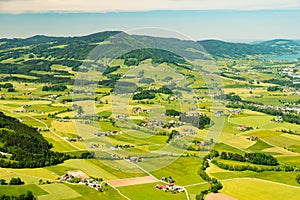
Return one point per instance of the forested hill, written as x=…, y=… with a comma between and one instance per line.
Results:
x=25, y=146
x=64, y=49
x=236, y=50
x=52, y=41
x=57, y=47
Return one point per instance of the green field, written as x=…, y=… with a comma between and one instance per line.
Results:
x=183, y=169
x=248, y=189
x=17, y=190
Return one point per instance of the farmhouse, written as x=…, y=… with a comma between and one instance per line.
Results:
x=139, y=109
x=235, y=112
x=115, y=132
x=135, y=159
x=100, y=134
x=243, y=127
x=170, y=187
x=94, y=146
x=83, y=179
x=220, y=113
x=252, y=138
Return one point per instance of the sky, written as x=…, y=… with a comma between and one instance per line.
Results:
x=230, y=20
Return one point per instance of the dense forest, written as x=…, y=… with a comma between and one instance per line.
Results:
x=44, y=46
x=255, y=158
x=25, y=145
x=56, y=88
x=158, y=56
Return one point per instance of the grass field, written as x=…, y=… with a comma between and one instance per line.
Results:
x=282, y=141
x=264, y=133
x=253, y=189
x=196, y=189
x=279, y=177
x=184, y=170
x=253, y=121
x=58, y=143
x=259, y=146
x=58, y=191
x=29, y=176
x=17, y=190
x=108, y=170
x=224, y=147
x=240, y=142
x=291, y=160
x=89, y=193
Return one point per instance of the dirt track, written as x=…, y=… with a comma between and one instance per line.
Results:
x=132, y=181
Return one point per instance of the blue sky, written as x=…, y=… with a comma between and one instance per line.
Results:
x=221, y=24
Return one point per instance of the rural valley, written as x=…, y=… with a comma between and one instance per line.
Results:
x=113, y=115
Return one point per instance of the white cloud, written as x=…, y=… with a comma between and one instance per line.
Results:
x=25, y=6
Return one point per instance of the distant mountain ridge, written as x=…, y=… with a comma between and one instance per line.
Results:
x=79, y=46
x=220, y=48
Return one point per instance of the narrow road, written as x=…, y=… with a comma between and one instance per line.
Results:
x=53, y=132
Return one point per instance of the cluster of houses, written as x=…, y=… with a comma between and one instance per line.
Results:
x=202, y=143
x=115, y=156
x=181, y=135
x=27, y=111
x=286, y=109
x=170, y=187
x=235, y=112
x=25, y=94
x=52, y=96
x=243, y=127
x=135, y=159
x=220, y=113
x=94, y=146
x=62, y=120
x=76, y=139
x=193, y=108
x=157, y=123
x=278, y=119
x=81, y=178
x=107, y=133
x=252, y=138
x=118, y=146
x=140, y=110
x=189, y=131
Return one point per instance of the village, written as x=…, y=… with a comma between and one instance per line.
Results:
x=81, y=178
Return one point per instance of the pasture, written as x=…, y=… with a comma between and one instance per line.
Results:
x=184, y=170
x=248, y=189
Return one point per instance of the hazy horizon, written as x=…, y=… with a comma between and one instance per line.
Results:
x=226, y=25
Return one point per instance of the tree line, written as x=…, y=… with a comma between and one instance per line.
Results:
x=255, y=158
x=287, y=117
x=26, y=196
x=27, y=147
x=215, y=185
x=56, y=88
